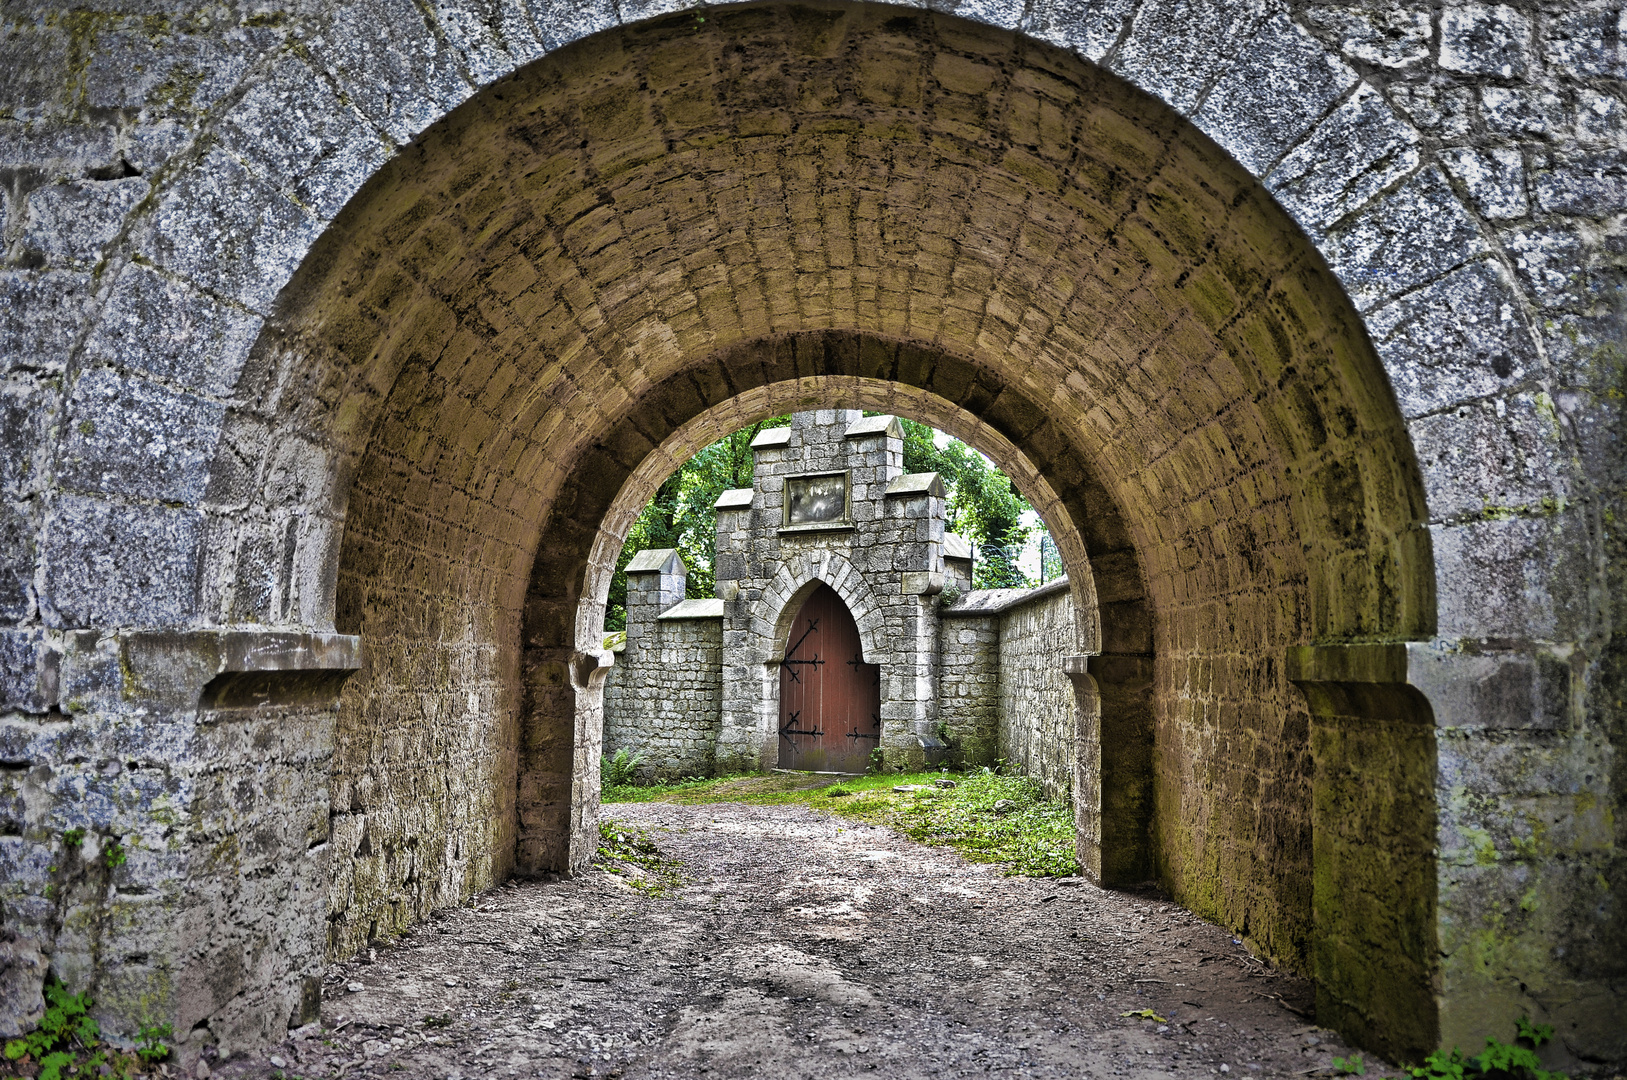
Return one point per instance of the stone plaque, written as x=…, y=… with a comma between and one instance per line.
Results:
x=812, y=499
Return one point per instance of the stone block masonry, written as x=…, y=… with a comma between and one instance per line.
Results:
x=663, y=698
x=1303, y=322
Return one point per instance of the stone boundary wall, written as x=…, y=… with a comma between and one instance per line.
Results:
x=668, y=707
x=1004, y=693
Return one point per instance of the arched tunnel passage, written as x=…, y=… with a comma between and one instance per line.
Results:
x=885, y=209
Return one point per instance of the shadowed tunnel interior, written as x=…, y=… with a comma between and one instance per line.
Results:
x=663, y=232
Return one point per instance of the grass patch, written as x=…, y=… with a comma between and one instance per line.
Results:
x=1029, y=834
x=631, y=853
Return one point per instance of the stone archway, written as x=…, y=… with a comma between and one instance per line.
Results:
x=639, y=228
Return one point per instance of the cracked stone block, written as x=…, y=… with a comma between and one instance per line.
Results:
x=1389, y=37
x=1353, y=155
x=1522, y=112
x=1600, y=118
x=16, y=563
x=1551, y=261
x=22, y=985
x=1382, y=253
x=1492, y=457
x=112, y=565
x=1461, y=337
x=1436, y=107
x=494, y=38
x=40, y=313
x=28, y=407
x=1282, y=83
x=197, y=231
x=1485, y=39
x=1591, y=184
x=1177, y=48
x=1520, y=577
x=29, y=672
x=1592, y=41
x=386, y=58
x=73, y=222
x=1090, y=29
x=157, y=326
x=561, y=22
x=1494, y=178
x=165, y=70
x=303, y=139
x=128, y=436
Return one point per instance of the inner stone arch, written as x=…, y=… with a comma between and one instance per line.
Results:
x=517, y=313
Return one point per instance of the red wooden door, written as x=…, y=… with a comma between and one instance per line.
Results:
x=830, y=699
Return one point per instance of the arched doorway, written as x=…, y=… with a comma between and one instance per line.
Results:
x=830, y=699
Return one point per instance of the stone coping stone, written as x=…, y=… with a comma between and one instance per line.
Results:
x=734, y=499
x=656, y=560
x=772, y=439
x=916, y=484
x=956, y=546
x=875, y=425
x=693, y=609
x=981, y=602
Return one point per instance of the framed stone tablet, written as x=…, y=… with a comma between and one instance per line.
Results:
x=811, y=500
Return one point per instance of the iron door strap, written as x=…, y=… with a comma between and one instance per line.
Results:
x=791, y=728
x=854, y=734
x=786, y=664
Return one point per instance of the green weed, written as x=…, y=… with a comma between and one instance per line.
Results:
x=619, y=769
x=68, y=1042
x=1350, y=1066
x=1499, y=1059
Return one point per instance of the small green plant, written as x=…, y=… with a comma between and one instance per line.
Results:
x=115, y=855
x=150, y=1045
x=1350, y=1066
x=619, y=769
x=441, y=1021
x=877, y=763
x=68, y=1041
x=1499, y=1059
x=73, y=837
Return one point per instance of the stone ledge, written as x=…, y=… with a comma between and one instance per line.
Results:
x=693, y=609
x=915, y=485
x=772, y=439
x=1508, y=684
x=872, y=426
x=984, y=602
x=212, y=669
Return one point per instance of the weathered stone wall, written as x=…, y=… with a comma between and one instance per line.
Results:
x=1003, y=691
x=1223, y=387
x=184, y=886
x=969, y=683
x=663, y=698
x=1036, y=697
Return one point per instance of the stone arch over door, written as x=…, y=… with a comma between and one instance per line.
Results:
x=483, y=317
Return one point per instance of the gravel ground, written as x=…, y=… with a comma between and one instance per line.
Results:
x=802, y=945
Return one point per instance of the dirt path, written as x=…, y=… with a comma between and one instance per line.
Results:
x=800, y=945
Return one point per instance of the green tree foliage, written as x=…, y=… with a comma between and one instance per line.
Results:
x=982, y=504
x=682, y=515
